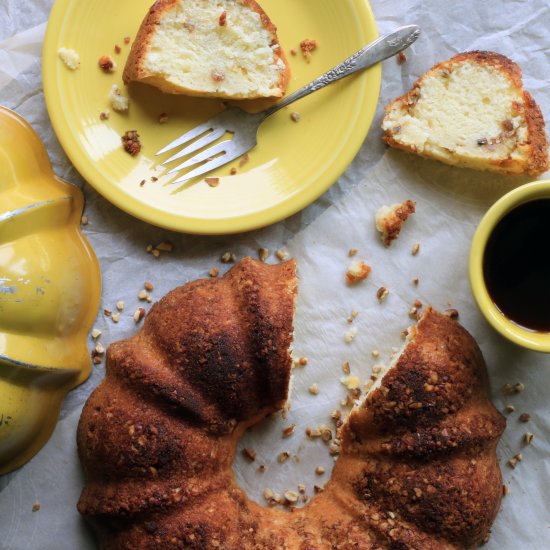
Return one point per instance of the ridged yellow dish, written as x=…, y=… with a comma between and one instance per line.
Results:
x=538, y=341
x=293, y=164
x=50, y=287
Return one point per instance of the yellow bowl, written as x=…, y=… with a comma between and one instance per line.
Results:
x=538, y=341
x=50, y=287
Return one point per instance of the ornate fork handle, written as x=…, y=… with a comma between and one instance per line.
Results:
x=380, y=49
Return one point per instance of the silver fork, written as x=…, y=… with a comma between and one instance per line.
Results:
x=244, y=126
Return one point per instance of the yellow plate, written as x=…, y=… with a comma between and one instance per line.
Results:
x=293, y=163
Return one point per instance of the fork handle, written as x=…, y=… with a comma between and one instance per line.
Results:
x=377, y=51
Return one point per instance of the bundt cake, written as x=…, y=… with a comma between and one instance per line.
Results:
x=157, y=438
x=222, y=48
x=471, y=111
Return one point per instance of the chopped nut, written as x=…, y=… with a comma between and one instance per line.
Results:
x=36, y=507
x=163, y=118
x=96, y=333
x=120, y=305
x=249, y=453
x=513, y=462
x=142, y=295
x=350, y=335
x=352, y=252
x=336, y=415
x=301, y=488
x=282, y=457
x=505, y=490
x=107, y=312
x=165, y=246
x=519, y=387
x=354, y=313
x=415, y=281
x=214, y=272
x=382, y=293
x=293, y=51
x=263, y=254
x=281, y=254
x=223, y=18
x=302, y=361
x=289, y=430
x=99, y=349
x=261, y=468
x=401, y=58
x=313, y=389
x=126, y=40
x=106, y=64
x=452, y=313
x=318, y=489
x=375, y=353
x=415, y=249
x=104, y=115
x=295, y=116
x=148, y=286
x=142, y=183
x=212, y=182
x=139, y=314
x=117, y=48
x=115, y=317
x=319, y=470
x=233, y=171
x=346, y=368
x=131, y=143
x=291, y=496
x=510, y=408
x=357, y=271
x=96, y=360
x=228, y=257
x=524, y=417
x=413, y=312
x=528, y=438
x=326, y=433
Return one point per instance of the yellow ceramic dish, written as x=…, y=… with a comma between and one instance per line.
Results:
x=527, y=338
x=50, y=287
x=293, y=164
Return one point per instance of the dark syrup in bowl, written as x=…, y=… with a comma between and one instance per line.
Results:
x=516, y=265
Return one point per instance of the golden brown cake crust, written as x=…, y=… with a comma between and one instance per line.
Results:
x=157, y=438
x=536, y=158
x=134, y=72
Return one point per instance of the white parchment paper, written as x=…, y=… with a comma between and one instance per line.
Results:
x=450, y=203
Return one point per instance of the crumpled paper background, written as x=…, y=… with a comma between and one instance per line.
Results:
x=450, y=203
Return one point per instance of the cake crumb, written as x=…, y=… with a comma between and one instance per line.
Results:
x=95, y=334
x=282, y=254
x=415, y=249
x=69, y=57
x=319, y=470
x=307, y=46
x=163, y=118
x=524, y=417
x=289, y=430
x=104, y=115
x=214, y=272
x=357, y=271
x=84, y=220
x=390, y=220
x=118, y=101
x=528, y=438
x=139, y=314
